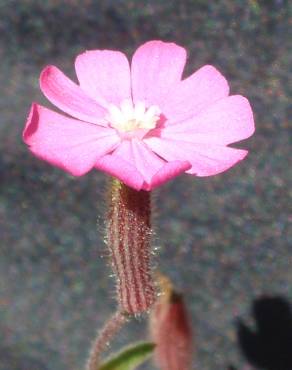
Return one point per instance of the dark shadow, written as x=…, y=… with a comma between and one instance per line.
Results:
x=269, y=345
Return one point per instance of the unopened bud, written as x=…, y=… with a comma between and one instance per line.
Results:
x=171, y=330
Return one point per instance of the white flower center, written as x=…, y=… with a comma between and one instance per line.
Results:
x=128, y=117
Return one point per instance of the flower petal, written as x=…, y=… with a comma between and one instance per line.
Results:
x=206, y=159
x=168, y=172
x=154, y=170
x=137, y=154
x=156, y=67
x=197, y=92
x=138, y=167
x=69, y=97
x=144, y=159
x=118, y=167
x=104, y=74
x=65, y=142
x=227, y=121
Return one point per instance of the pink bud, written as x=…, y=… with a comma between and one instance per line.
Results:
x=171, y=331
x=128, y=238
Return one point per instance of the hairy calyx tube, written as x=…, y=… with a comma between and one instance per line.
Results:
x=128, y=236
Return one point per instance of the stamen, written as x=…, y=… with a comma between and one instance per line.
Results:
x=129, y=117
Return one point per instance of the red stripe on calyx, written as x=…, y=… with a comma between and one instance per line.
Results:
x=129, y=240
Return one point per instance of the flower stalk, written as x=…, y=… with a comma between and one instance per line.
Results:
x=128, y=235
x=103, y=339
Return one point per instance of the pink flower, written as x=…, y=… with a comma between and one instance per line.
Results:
x=143, y=124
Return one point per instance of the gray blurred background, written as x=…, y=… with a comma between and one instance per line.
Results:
x=223, y=240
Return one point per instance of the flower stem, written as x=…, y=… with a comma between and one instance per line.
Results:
x=128, y=237
x=110, y=329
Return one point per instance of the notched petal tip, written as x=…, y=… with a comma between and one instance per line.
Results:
x=160, y=43
x=31, y=123
x=246, y=114
x=65, y=142
x=237, y=156
x=45, y=74
x=173, y=49
x=156, y=67
x=104, y=75
x=166, y=173
x=216, y=75
x=88, y=54
x=69, y=96
x=121, y=169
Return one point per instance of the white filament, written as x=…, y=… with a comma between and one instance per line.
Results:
x=128, y=117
